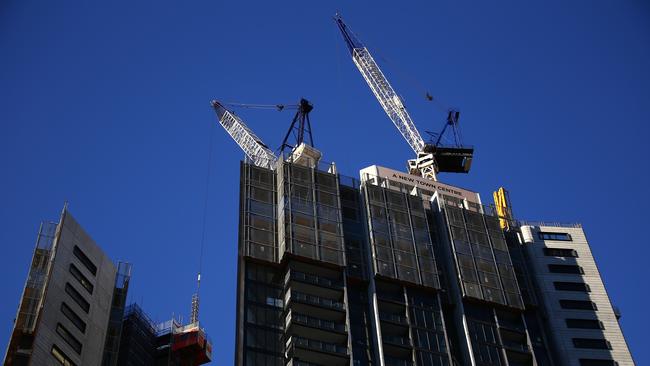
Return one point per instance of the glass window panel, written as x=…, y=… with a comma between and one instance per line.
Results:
x=329, y=226
x=73, y=317
x=77, y=297
x=76, y=273
x=465, y=261
x=262, y=195
x=396, y=198
x=486, y=266
x=482, y=252
x=68, y=338
x=385, y=268
x=478, y=237
x=261, y=222
x=458, y=233
x=402, y=244
x=472, y=290
x=61, y=357
x=381, y=239
x=502, y=256
x=261, y=236
x=375, y=193
x=301, y=174
x=304, y=234
x=261, y=208
x=462, y=247
x=301, y=192
x=332, y=256
x=330, y=241
x=404, y=258
x=304, y=249
x=327, y=199
x=489, y=279
x=260, y=251
x=385, y=254
x=407, y=273
x=83, y=258
x=326, y=212
x=468, y=274
x=302, y=219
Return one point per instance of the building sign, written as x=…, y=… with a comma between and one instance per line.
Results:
x=416, y=181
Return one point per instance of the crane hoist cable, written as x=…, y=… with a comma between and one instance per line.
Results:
x=195, y=298
x=279, y=107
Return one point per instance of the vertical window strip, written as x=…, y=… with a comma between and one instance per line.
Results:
x=83, y=258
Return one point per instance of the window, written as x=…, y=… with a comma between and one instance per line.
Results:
x=61, y=357
x=76, y=273
x=584, y=324
x=73, y=317
x=565, y=268
x=572, y=286
x=578, y=305
x=85, y=260
x=76, y=296
x=554, y=236
x=68, y=338
x=591, y=343
x=597, y=362
x=559, y=252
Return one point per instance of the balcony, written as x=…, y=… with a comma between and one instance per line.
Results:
x=397, y=341
x=316, y=301
x=392, y=361
x=310, y=352
x=312, y=279
x=516, y=346
x=313, y=322
x=393, y=318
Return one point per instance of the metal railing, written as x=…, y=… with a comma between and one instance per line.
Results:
x=316, y=322
x=317, y=345
x=317, y=300
x=549, y=223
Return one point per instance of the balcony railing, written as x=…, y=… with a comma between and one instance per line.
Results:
x=317, y=300
x=516, y=346
x=313, y=279
x=395, y=318
x=316, y=322
x=317, y=345
x=397, y=340
x=391, y=361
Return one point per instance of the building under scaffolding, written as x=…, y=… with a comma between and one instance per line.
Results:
x=145, y=343
x=72, y=303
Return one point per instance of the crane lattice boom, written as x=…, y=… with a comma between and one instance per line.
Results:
x=387, y=97
x=252, y=145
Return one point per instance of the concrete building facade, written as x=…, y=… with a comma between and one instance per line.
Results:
x=65, y=311
x=579, y=313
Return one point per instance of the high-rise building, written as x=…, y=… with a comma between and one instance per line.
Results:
x=72, y=302
x=398, y=270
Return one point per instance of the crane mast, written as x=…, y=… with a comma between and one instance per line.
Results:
x=252, y=145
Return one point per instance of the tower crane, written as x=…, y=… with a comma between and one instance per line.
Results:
x=431, y=157
x=302, y=151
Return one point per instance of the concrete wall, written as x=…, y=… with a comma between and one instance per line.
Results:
x=561, y=334
x=71, y=234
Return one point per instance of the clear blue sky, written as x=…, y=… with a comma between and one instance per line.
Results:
x=105, y=105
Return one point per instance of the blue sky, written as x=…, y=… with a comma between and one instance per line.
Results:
x=106, y=105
